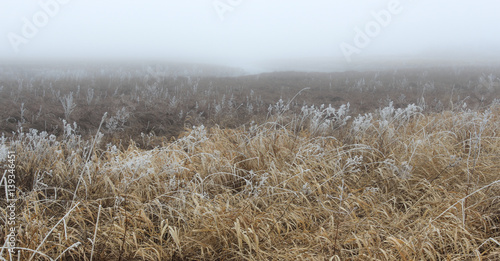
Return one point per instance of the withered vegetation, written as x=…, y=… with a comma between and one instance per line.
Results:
x=402, y=166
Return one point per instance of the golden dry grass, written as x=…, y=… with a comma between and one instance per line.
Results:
x=426, y=188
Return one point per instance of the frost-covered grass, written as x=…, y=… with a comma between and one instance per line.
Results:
x=161, y=101
x=318, y=184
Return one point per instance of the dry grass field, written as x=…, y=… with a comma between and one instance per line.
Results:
x=143, y=165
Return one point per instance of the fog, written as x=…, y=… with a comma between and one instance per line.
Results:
x=257, y=35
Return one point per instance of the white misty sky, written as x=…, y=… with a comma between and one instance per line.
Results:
x=253, y=31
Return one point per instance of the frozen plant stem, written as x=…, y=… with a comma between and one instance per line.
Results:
x=88, y=155
x=95, y=232
x=68, y=105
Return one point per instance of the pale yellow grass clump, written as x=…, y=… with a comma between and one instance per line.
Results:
x=423, y=189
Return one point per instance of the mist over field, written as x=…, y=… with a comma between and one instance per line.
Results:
x=256, y=35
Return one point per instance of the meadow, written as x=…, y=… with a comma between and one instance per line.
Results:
x=146, y=163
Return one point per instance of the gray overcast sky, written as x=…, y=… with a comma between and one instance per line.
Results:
x=245, y=32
